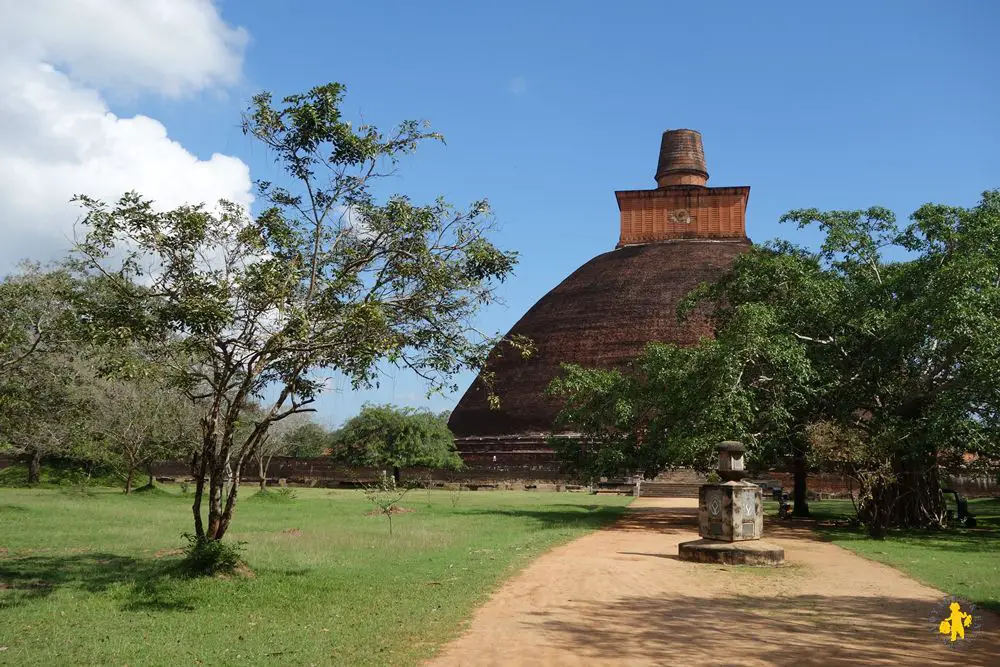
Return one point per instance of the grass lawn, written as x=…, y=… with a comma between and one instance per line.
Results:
x=959, y=561
x=92, y=579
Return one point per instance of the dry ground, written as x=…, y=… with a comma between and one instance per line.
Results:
x=620, y=596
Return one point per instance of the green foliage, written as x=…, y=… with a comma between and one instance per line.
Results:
x=385, y=435
x=307, y=441
x=62, y=473
x=279, y=495
x=326, y=278
x=880, y=350
x=205, y=557
x=43, y=386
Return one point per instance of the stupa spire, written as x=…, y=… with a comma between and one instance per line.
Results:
x=682, y=159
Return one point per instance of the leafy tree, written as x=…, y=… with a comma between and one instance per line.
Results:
x=878, y=353
x=384, y=435
x=36, y=316
x=46, y=407
x=325, y=277
x=41, y=397
x=307, y=440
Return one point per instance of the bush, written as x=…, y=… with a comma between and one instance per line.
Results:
x=282, y=495
x=208, y=557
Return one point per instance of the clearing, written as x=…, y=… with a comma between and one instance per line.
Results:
x=92, y=579
x=621, y=596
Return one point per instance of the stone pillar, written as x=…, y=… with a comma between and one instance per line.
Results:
x=731, y=518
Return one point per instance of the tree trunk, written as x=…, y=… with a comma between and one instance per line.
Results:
x=395, y=474
x=199, y=491
x=35, y=468
x=234, y=489
x=216, y=480
x=908, y=496
x=128, y=481
x=149, y=471
x=263, y=474
x=800, y=471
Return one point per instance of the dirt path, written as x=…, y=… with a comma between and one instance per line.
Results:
x=620, y=596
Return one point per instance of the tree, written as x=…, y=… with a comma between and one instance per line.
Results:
x=385, y=494
x=41, y=401
x=36, y=317
x=307, y=440
x=139, y=421
x=324, y=278
x=878, y=352
x=384, y=435
x=294, y=436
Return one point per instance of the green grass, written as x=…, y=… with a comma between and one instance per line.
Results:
x=93, y=579
x=958, y=561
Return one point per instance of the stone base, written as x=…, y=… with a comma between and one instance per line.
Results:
x=752, y=552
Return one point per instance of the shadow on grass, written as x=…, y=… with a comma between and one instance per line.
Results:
x=580, y=516
x=147, y=584
x=792, y=630
x=12, y=509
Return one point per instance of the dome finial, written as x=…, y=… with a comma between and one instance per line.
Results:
x=682, y=159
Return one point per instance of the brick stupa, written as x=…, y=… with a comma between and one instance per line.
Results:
x=672, y=238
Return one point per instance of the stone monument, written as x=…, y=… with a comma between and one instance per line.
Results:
x=731, y=518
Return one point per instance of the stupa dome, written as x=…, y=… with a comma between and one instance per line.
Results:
x=672, y=239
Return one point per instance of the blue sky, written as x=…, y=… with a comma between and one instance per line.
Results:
x=548, y=107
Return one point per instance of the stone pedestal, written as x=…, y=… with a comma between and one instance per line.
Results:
x=757, y=552
x=731, y=512
x=731, y=518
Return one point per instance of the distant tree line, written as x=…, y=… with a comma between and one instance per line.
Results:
x=64, y=395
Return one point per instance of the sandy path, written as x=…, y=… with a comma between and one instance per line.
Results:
x=620, y=596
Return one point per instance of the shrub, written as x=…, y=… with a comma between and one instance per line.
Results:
x=208, y=557
x=282, y=495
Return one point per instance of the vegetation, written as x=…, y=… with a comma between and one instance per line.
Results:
x=97, y=582
x=384, y=435
x=296, y=436
x=876, y=354
x=63, y=396
x=385, y=495
x=208, y=316
x=959, y=561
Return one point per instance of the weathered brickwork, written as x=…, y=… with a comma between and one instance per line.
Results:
x=672, y=239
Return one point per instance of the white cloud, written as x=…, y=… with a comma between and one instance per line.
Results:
x=168, y=46
x=58, y=136
x=517, y=86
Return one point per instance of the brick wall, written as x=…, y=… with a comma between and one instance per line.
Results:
x=684, y=212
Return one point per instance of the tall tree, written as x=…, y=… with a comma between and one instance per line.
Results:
x=385, y=435
x=324, y=277
x=882, y=346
